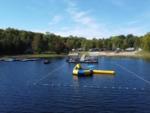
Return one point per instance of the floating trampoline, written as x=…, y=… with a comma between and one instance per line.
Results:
x=79, y=71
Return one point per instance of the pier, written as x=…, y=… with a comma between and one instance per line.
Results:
x=82, y=58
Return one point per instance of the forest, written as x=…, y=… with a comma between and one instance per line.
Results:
x=14, y=41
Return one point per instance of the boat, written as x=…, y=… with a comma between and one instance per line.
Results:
x=79, y=71
x=46, y=61
x=73, y=60
x=91, y=59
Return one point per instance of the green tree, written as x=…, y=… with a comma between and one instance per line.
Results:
x=146, y=42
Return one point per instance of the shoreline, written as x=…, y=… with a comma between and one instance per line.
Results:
x=32, y=56
x=136, y=54
x=109, y=53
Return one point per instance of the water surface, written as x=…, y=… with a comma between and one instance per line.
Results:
x=33, y=87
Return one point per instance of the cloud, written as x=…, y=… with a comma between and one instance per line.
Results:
x=79, y=16
x=100, y=33
x=82, y=32
x=55, y=20
x=85, y=25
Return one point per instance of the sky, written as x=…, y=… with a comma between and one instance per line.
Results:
x=86, y=18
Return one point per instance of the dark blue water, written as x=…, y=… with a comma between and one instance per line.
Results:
x=33, y=87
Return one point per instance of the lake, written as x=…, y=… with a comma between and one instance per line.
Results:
x=33, y=87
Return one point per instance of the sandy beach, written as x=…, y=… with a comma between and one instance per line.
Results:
x=110, y=53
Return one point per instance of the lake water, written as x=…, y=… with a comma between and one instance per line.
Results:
x=33, y=87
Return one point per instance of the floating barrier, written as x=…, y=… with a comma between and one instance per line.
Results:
x=79, y=71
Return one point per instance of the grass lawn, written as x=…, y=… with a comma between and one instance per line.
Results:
x=143, y=54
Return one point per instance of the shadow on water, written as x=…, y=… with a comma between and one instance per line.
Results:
x=146, y=59
x=78, y=78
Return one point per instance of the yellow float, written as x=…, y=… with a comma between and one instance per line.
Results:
x=79, y=71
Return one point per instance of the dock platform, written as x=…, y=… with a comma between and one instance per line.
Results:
x=76, y=58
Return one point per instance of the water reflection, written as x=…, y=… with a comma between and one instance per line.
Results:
x=79, y=81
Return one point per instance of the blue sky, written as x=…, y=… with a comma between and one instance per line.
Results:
x=88, y=18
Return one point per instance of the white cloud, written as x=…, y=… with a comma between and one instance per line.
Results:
x=81, y=31
x=80, y=17
x=86, y=26
x=55, y=20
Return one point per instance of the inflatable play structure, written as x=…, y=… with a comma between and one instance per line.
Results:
x=79, y=71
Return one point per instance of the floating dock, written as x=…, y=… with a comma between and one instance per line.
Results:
x=76, y=58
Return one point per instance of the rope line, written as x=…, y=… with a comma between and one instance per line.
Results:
x=92, y=86
x=50, y=73
x=133, y=73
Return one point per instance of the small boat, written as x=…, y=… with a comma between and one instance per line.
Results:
x=73, y=60
x=90, y=61
x=46, y=61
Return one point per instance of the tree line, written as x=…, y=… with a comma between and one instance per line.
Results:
x=13, y=41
